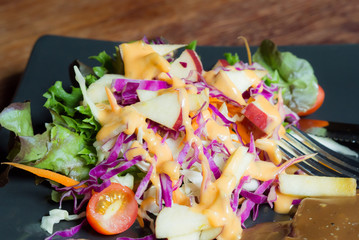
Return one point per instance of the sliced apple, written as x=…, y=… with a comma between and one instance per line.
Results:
x=262, y=114
x=223, y=83
x=180, y=220
x=164, y=49
x=243, y=79
x=316, y=186
x=164, y=109
x=96, y=91
x=210, y=233
x=188, y=65
x=191, y=236
x=196, y=101
x=221, y=63
x=145, y=95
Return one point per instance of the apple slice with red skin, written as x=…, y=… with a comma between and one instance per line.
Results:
x=221, y=63
x=188, y=65
x=262, y=114
x=164, y=109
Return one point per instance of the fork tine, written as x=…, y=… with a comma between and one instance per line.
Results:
x=309, y=166
x=338, y=159
x=323, y=162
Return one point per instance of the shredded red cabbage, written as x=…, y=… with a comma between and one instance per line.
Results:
x=296, y=201
x=244, y=211
x=68, y=232
x=183, y=153
x=166, y=187
x=256, y=198
x=148, y=237
x=125, y=89
x=212, y=165
x=236, y=192
x=226, y=121
x=144, y=183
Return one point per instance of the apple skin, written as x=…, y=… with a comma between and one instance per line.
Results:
x=221, y=63
x=256, y=116
x=190, y=69
x=249, y=128
x=196, y=60
x=262, y=114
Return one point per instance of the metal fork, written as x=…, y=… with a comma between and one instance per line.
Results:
x=326, y=162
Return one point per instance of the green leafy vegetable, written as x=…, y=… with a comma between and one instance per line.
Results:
x=296, y=76
x=231, y=59
x=192, y=45
x=62, y=154
x=108, y=64
x=17, y=118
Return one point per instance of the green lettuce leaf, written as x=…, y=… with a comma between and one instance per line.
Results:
x=75, y=117
x=62, y=155
x=231, y=59
x=296, y=76
x=17, y=118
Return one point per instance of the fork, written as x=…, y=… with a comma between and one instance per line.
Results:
x=326, y=162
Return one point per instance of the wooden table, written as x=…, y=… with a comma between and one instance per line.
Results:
x=220, y=22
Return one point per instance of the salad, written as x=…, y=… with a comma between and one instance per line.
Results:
x=190, y=153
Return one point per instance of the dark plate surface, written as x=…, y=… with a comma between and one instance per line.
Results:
x=22, y=203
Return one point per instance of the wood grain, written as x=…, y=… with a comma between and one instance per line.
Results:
x=220, y=22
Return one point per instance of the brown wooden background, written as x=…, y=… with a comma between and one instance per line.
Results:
x=287, y=22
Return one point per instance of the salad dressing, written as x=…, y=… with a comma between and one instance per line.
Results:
x=221, y=81
x=201, y=163
x=271, y=148
x=215, y=203
x=215, y=196
x=261, y=170
x=141, y=61
x=283, y=204
x=218, y=132
x=274, y=119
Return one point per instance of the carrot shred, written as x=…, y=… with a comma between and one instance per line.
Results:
x=56, y=177
x=112, y=100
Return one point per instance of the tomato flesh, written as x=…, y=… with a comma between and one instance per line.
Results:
x=113, y=210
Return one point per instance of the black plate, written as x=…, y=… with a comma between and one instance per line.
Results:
x=22, y=203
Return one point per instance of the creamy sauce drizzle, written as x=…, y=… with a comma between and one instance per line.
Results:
x=141, y=62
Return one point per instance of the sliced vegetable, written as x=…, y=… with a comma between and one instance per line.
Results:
x=113, y=210
x=59, y=178
x=316, y=186
x=317, y=104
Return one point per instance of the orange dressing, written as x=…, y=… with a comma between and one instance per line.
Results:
x=274, y=119
x=222, y=82
x=215, y=203
x=141, y=61
x=261, y=170
x=271, y=148
x=283, y=204
x=218, y=132
x=253, y=76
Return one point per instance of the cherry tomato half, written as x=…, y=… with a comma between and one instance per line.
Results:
x=317, y=104
x=113, y=210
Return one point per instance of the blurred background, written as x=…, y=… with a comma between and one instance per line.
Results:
x=210, y=22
